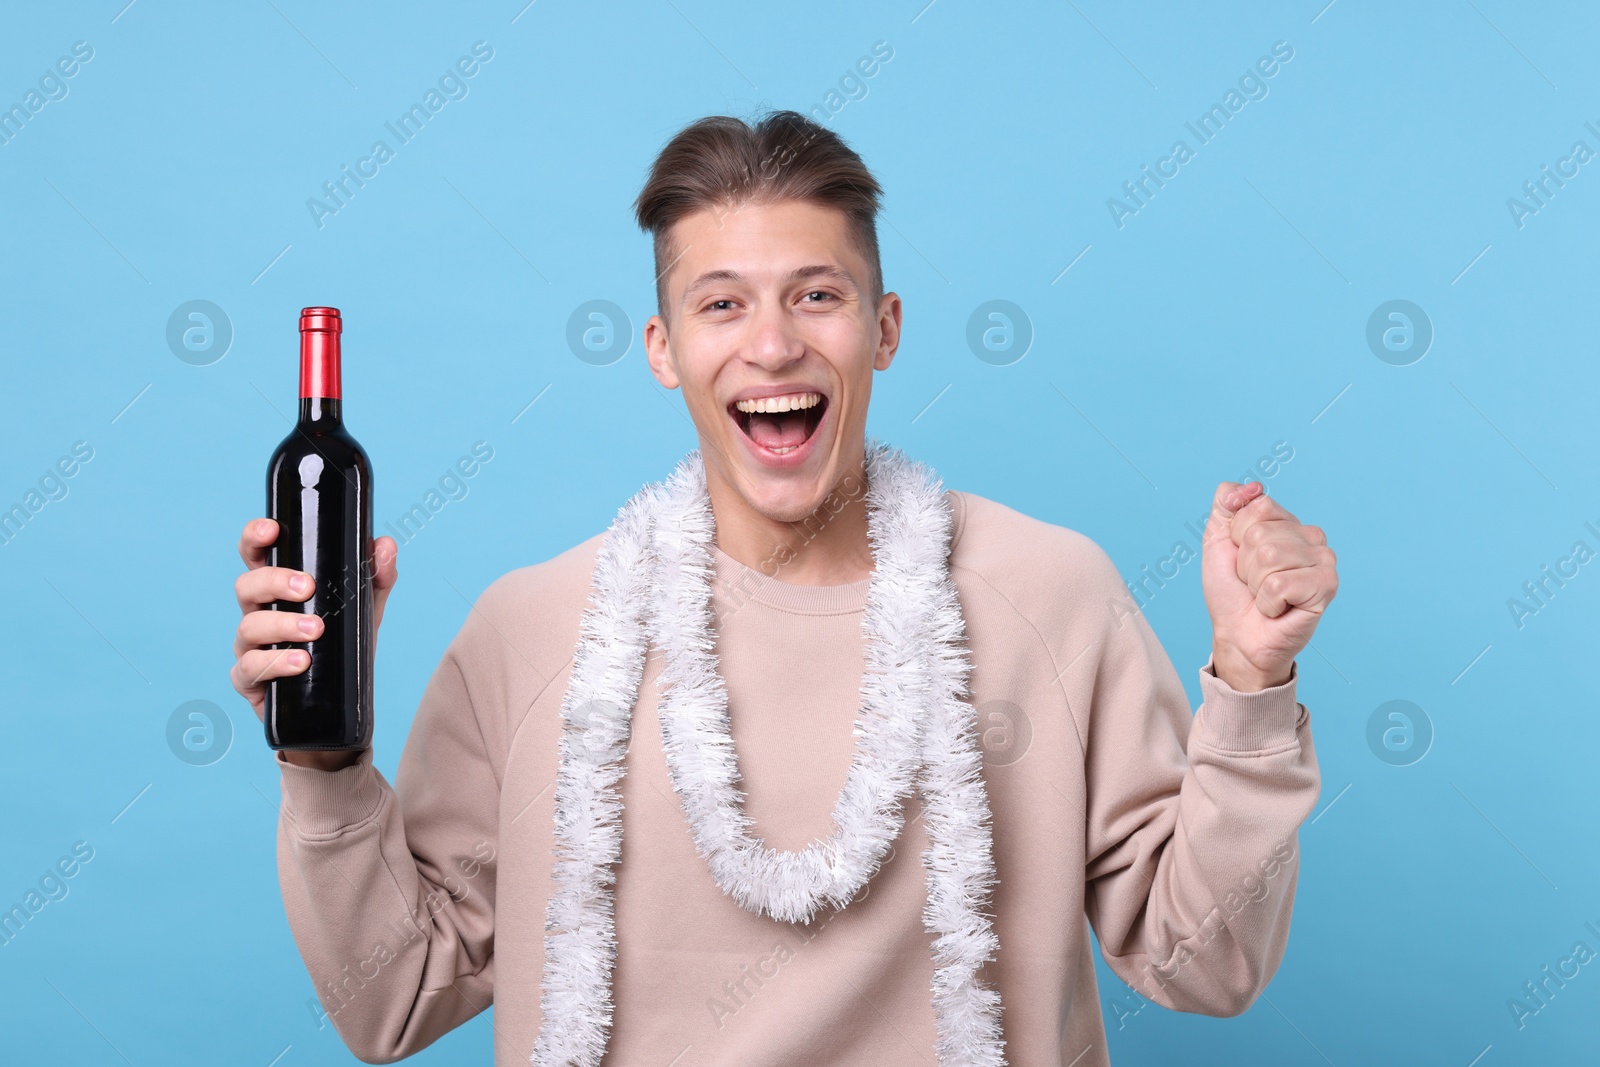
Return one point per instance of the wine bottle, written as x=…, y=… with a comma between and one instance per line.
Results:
x=319, y=490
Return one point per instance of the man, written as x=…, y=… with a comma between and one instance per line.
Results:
x=796, y=586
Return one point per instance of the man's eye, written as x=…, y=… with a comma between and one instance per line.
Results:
x=713, y=305
x=820, y=292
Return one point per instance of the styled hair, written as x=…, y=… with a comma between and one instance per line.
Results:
x=721, y=162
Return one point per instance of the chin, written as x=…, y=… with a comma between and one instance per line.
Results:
x=788, y=496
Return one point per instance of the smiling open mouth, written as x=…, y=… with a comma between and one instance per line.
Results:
x=780, y=431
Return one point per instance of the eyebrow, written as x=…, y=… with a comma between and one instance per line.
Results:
x=815, y=270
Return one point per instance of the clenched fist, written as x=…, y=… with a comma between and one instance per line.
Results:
x=1267, y=581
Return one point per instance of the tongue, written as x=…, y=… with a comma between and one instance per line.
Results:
x=781, y=430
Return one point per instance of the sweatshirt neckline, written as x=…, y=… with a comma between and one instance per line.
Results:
x=737, y=583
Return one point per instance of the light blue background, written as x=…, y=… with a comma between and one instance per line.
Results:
x=1227, y=315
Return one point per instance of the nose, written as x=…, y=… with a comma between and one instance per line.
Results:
x=773, y=342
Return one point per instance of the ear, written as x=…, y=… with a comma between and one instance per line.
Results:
x=658, y=350
x=889, y=312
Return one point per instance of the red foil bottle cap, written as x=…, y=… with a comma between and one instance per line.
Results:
x=320, y=319
x=320, y=328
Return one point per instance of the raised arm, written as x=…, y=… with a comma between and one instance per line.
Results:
x=1193, y=850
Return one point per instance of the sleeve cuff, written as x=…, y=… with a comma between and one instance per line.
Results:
x=324, y=802
x=1232, y=721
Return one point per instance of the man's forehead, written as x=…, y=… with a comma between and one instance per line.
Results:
x=739, y=245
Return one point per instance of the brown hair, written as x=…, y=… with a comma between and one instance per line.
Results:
x=722, y=161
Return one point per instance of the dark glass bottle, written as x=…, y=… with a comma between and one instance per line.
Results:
x=319, y=489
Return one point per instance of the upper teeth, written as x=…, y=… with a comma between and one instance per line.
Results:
x=792, y=402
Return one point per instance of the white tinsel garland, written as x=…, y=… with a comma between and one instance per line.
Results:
x=652, y=586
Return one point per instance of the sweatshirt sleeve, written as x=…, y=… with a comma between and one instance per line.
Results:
x=1192, y=839
x=390, y=891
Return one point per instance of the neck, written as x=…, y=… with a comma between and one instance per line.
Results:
x=826, y=546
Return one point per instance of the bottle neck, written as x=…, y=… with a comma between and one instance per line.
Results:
x=319, y=365
x=323, y=412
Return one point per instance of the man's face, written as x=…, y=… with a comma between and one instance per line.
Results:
x=767, y=301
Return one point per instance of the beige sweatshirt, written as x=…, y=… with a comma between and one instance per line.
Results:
x=1174, y=835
